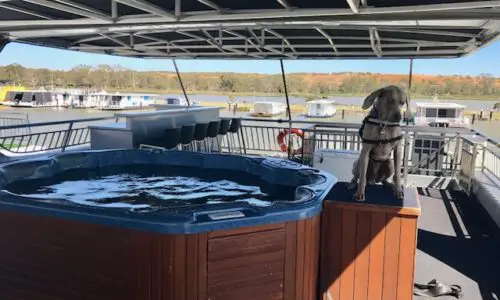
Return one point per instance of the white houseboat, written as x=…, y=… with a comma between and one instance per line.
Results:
x=268, y=109
x=179, y=101
x=120, y=101
x=441, y=114
x=320, y=109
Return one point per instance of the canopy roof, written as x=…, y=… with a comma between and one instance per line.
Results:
x=289, y=29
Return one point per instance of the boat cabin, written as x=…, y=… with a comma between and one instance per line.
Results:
x=120, y=101
x=179, y=101
x=440, y=114
x=321, y=108
x=268, y=109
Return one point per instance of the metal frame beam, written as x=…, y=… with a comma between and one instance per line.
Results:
x=90, y=13
x=211, y=5
x=160, y=44
x=148, y=7
x=24, y=11
x=379, y=13
x=387, y=31
x=354, y=5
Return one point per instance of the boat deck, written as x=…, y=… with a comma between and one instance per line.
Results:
x=458, y=243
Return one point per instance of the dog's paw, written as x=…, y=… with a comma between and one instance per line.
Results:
x=359, y=196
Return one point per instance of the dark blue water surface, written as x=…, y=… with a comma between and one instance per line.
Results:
x=146, y=187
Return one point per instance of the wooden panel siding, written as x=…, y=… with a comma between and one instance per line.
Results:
x=45, y=258
x=368, y=248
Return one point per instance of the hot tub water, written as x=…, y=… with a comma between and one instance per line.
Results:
x=141, y=188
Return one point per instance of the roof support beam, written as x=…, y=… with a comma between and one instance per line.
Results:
x=247, y=39
x=282, y=37
x=71, y=9
x=354, y=5
x=96, y=38
x=150, y=8
x=284, y=4
x=375, y=41
x=210, y=4
x=81, y=6
x=168, y=43
x=160, y=44
x=24, y=11
x=116, y=41
x=329, y=38
x=356, y=54
x=211, y=40
x=114, y=10
x=178, y=8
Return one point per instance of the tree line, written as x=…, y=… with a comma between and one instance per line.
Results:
x=116, y=77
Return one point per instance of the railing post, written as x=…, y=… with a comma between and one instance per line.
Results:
x=406, y=156
x=67, y=136
x=458, y=149
x=474, y=157
x=242, y=136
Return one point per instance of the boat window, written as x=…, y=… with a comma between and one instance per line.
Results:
x=446, y=113
x=18, y=97
x=431, y=113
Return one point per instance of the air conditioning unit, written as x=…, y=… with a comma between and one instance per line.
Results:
x=336, y=162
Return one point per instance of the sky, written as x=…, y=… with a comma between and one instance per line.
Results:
x=486, y=60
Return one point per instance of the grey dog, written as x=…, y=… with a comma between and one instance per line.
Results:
x=380, y=134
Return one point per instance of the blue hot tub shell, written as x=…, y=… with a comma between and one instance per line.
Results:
x=311, y=187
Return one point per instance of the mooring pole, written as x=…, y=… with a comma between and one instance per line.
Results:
x=407, y=136
x=180, y=81
x=288, y=110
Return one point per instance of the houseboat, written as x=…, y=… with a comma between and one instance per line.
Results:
x=30, y=98
x=180, y=101
x=120, y=101
x=320, y=109
x=267, y=109
x=440, y=114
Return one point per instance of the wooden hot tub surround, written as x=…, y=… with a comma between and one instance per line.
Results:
x=49, y=258
x=368, y=248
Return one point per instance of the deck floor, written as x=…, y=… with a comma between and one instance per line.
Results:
x=458, y=243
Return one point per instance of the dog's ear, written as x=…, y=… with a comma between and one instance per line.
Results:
x=371, y=98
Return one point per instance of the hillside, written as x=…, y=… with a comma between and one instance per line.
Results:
x=300, y=84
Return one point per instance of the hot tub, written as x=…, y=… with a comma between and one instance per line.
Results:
x=139, y=224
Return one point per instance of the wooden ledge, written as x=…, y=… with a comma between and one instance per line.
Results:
x=378, y=198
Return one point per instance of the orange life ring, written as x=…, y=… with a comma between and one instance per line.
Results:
x=281, y=140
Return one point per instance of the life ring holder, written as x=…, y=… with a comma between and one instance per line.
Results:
x=283, y=145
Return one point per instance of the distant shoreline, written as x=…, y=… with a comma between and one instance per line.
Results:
x=295, y=95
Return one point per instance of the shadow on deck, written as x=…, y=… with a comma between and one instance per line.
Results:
x=458, y=243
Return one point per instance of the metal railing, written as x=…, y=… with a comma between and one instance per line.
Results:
x=432, y=151
x=14, y=119
x=47, y=136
